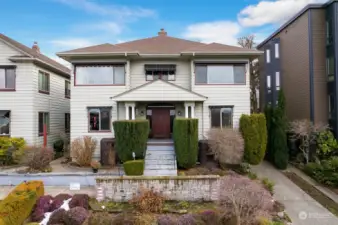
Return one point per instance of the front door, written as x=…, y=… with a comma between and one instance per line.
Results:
x=161, y=122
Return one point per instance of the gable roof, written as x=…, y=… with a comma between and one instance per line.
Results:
x=159, y=45
x=159, y=90
x=34, y=55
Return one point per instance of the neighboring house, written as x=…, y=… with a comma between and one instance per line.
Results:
x=301, y=58
x=158, y=79
x=34, y=90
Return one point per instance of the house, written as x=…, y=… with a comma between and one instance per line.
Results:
x=157, y=78
x=34, y=90
x=301, y=57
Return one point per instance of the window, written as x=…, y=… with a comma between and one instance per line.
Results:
x=5, y=116
x=329, y=32
x=330, y=68
x=99, y=75
x=43, y=82
x=221, y=116
x=43, y=120
x=220, y=74
x=7, y=78
x=99, y=118
x=276, y=50
x=268, y=55
x=67, y=88
x=67, y=122
x=277, y=80
x=268, y=81
x=164, y=72
x=331, y=106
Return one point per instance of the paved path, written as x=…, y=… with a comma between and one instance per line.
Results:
x=302, y=209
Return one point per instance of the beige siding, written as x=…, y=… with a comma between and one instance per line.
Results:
x=182, y=76
x=55, y=104
x=19, y=102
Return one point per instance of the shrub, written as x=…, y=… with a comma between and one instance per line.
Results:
x=187, y=219
x=58, y=201
x=18, y=204
x=131, y=136
x=42, y=206
x=57, y=217
x=38, y=158
x=326, y=143
x=145, y=219
x=11, y=150
x=79, y=200
x=227, y=145
x=209, y=217
x=75, y=216
x=100, y=219
x=166, y=220
x=325, y=173
x=83, y=150
x=269, y=185
x=58, y=145
x=243, y=198
x=186, y=142
x=134, y=167
x=253, y=128
x=124, y=219
x=148, y=201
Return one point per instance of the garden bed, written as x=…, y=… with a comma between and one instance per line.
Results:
x=325, y=201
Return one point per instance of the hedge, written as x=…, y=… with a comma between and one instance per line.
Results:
x=254, y=132
x=185, y=133
x=18, y=204
x=6, y=155
x=134, y=167
x=131, y=136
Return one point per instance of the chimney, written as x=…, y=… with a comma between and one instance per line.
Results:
x=35, y=47
x=162, y=33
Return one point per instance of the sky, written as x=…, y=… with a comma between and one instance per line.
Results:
x=59, y=25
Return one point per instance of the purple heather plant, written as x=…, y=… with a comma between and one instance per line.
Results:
x=81, y=200
x=43, y=205
x=166, y=220
x=58, y=201
x=187, y=219
x=76, y=216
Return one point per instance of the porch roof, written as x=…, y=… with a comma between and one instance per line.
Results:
x=159, y=90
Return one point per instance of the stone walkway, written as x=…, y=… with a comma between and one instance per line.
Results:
x=301, y=208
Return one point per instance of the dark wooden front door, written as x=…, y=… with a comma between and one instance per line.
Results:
x=161, y=123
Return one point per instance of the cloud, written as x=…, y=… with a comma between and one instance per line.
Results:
x=116, y=11
x=218, y=31
x=272, y=12
x=72, y=43
x=109, y=27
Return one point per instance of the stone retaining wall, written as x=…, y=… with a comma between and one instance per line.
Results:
x=183, y=188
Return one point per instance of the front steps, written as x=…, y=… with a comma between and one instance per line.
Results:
x=160, y=158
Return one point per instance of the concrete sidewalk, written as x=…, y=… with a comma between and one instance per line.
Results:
x=301, y=208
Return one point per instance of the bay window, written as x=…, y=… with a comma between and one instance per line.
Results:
x=164, y=72
x=7, y=78
x=99, y=119
x=99, y=75
x=221, y=116
x=220, y=73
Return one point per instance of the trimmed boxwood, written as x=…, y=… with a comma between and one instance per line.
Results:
x=131, y=136
x=253, y=128
x=186, y=142
x=134, y=167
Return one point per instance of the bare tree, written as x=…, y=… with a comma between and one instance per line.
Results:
x=306, y=132
x=249, y=42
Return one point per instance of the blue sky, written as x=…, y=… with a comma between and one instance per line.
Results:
x=59, y=25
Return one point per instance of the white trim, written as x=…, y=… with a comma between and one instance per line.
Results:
x=268, y=56
x=277, y=50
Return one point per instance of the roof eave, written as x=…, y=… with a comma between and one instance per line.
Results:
x=257, y=53
x=68, y=54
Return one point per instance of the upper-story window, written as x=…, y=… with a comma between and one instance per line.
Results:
x=329, y=32
x=330, y=67
x=7, y=78
x=99, y=75
x=220, y=74
x=67, y=88
x=164, y=72
x=44, y=82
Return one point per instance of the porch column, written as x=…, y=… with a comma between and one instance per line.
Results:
x=127, y=111
x=186, y=111
x=132, y=106
x=133, y=112
x=192, y=108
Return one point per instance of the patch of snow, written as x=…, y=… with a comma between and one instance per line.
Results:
x=64, y=206
x=46, y=219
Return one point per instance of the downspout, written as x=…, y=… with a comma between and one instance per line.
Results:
x=312, y=111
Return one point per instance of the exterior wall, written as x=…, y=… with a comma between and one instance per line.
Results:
x=194, y=188
x=294, y=61
x=182, y=76
x=237, y=96
x=19, y=102
x=321, y=108
x=56, y=104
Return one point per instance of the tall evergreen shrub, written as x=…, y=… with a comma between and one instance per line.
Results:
x=186, y=142
x=131, y=136
x=253, y=128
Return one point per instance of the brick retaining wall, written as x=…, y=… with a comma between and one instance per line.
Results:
x=183, y=188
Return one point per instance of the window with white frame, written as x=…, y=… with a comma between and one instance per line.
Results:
x=268, y=59
x=99, y=75
x=220, y=73
x=268, y=81
x=276, y=50
x=221, y=116
x=7, y=78
x=277, y=80
x=160, y=71
x=99, y=118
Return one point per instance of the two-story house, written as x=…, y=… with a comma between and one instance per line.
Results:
x=158, y=78
x=34, y=91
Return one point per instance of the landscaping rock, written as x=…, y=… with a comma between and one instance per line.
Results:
x=57, y=217
x=75, y=216
x=79, y=200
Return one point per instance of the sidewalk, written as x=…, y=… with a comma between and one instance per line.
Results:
x=301, y=208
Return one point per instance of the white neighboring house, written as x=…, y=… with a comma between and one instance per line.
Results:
x=34, y=90
x=158, y=79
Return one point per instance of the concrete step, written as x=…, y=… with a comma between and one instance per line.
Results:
x=155, y=152
x=160, y=148
x=160, y=173
x=160, y=157
x=160, y=167
x=160, y=162
x=160, y=142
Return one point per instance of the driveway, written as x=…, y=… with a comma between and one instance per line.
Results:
x=301, y=208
